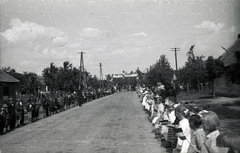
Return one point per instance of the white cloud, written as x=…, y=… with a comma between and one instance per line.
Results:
x=140, y=34
x=23, y=32
x=28, y=63
x=210, y=25
x=93, y=33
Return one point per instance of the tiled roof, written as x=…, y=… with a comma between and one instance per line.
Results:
x=4, y=77
x=229, y=57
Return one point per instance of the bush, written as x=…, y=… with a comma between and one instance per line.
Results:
x=226, y=113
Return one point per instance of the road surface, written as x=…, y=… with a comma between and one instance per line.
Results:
x=112, y=124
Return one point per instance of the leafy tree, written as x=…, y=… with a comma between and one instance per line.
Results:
x=50, y=76
x=93, y=81
x=233, y=72
x=160, y=71
x=32, y=83
x=68, y=77
x=193, y=73
x=214, y=69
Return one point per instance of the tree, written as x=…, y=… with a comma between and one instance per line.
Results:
x=93, y=81
x=32, y=83
x=214, y=69
x=68, y=77
x=193, y=73
x=160, y=71
x=233, y=72
x=50, y=77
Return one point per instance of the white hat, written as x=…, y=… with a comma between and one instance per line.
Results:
x=146, y=92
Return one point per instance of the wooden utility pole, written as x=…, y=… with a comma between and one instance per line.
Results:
x=81, y=69
x=101, y=76
x=176, y=75
x=175, y=50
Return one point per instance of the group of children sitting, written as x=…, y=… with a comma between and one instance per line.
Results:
x=185, y=130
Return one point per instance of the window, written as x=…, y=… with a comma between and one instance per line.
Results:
x=5, y=93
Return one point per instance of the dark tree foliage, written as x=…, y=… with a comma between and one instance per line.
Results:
x=194, y=71
x=29, y=83
x=161, y=71
x=233, y=72
x=50, y=76
x=93, y=81
x=66, y=78
x=214, y=67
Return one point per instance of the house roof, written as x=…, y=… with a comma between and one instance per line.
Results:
x=4, y=77
x=229, y=57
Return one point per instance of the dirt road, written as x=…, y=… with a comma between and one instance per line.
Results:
x=112, y=124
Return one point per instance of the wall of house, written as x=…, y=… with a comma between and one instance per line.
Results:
x=7, y=90
x=224, y=87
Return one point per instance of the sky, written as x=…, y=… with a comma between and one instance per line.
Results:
x=123, y=35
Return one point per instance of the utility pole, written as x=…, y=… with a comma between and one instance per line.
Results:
x=175, y=50
x=101, y=76
x=176, y=75
x=81, y=69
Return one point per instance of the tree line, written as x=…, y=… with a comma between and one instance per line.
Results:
x=196, y=72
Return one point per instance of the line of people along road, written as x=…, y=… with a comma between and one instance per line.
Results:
x=22, y=111
x=184, y=129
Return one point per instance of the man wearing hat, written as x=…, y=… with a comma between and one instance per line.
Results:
x=12, y=114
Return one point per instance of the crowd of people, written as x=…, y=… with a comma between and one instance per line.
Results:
x=184, y=129
x=27, y=110
x=21, y=112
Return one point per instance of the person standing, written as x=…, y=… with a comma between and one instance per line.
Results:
x=12, y=114
x=3, y=119
x=80, y=98
x=19, y=113
x=29, y=110
x=7, y=120
x=22, y=113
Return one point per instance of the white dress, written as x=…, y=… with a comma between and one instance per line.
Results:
x=184, y=125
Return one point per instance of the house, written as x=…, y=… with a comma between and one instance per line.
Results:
x=7, y=87
x=223, y=86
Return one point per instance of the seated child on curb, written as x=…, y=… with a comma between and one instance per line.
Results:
x=184, y=136
x=197, y=136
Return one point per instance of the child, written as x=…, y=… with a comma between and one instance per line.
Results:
x=184, y=134
x=171, y=103
x=210, y=123
x=198, y=134
x=159, y=109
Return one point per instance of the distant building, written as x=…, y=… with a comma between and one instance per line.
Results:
x=125, y=78
x=120, y=75
x=7, y=87
x=223, y=86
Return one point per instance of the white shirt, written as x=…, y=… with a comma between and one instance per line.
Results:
x=184, y=125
